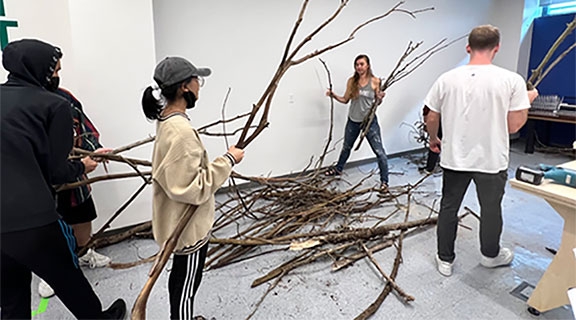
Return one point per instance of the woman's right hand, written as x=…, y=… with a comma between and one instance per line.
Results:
x=329, y=93
x=237, y=153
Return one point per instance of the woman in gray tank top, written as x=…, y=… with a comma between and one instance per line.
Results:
x=361, y=89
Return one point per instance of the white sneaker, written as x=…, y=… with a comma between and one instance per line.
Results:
x=93, y=259
x=445, y=268
x=44, y=289
x=504, y=258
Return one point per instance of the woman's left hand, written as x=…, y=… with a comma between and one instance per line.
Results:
x=379, y=96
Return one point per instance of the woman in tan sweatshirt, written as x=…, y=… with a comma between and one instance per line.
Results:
x=182, y=176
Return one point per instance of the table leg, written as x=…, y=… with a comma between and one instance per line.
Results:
x=551, y=291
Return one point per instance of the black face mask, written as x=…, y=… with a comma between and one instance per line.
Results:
x=53, y=84
x=190, y=99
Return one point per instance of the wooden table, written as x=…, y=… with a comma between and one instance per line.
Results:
x=551, y=291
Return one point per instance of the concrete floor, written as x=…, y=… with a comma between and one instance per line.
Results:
x=314, y=292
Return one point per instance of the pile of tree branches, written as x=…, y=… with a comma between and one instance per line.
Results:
x=314, y=218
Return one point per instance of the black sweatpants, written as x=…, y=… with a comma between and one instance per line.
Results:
x=47, y=251
x=490, y=191
x=184, y=281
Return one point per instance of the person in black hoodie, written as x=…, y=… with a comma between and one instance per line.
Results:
x=35, y=141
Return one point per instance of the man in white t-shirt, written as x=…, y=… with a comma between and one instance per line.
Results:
x=479, y=104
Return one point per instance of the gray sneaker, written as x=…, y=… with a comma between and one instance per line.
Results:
x=504, y=258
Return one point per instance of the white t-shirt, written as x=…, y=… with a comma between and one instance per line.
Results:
x=473, y=102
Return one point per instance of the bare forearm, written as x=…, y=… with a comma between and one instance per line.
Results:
x=340, y=99
x=516, y=120
x=432, y=124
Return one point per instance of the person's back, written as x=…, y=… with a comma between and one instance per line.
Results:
x=30, y=116
x=479, y=105
x=476, y=100
x=36, y=138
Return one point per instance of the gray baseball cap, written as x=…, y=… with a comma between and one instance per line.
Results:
x=172, y=70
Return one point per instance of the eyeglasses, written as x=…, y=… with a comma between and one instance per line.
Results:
x=200, y=80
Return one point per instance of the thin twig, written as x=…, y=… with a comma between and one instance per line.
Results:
x=402, y=293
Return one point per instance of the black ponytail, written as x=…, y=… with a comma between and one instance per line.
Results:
x=150, y=105
x=153, y=107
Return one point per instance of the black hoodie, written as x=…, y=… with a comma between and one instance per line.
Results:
x=35, y=137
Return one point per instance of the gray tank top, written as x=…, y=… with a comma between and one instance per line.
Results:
x=360, y=106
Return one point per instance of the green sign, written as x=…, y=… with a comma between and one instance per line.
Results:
x=41, y=307
x=4, y=25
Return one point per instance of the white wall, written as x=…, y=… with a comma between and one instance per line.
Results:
x=108, y=59
x=242, y=42
x=111, y=48
x=508, y=16
x=113, y=43
x=49, y=21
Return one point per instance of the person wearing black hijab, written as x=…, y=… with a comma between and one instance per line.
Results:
x=35, y=141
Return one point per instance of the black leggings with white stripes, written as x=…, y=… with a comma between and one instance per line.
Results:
x=184, y=281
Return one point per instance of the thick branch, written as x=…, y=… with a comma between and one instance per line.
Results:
x=554, y=63
x=139, y=308
x=75, y=185
x=536, y=73
x=329, y=236
x=113, y=157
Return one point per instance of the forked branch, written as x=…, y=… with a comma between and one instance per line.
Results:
x=288, y=60
x=400, y=71
x=538, y=73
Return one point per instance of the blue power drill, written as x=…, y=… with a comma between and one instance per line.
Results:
x=535, y=176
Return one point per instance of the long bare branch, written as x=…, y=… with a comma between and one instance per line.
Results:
x=215, y=123
x=113, y=157
x=536, y=73
x=133, y=145
x=327, y=145
x=288, y=62
x=553, y=64
x=75, y=185
x=139, y=308
x=294, y=29
x=318, y=29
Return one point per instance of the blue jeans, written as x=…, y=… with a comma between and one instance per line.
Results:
x=352, y=132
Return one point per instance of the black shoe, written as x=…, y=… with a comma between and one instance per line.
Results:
x=425, y=170
x=117, y=310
